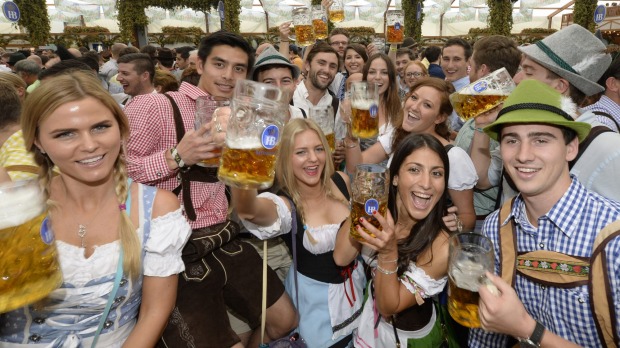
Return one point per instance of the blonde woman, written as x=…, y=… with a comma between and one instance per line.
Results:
x=98, y=218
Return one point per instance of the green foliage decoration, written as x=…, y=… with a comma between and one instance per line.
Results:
x=413, y=26
x=500, y=17
x=583, y=14
x=35, y=19
x=538, y=31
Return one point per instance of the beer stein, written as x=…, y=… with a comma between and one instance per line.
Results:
x=324, y=117
x=336, y=12
x=482, y=95
x=395, y=31
x=470, y=257
x=206, y=110
x=364, y=109
x=29, y=268
x=379, y=43
x=370, y=189
x=253, y=135
x=319, y=22
x=304, y=32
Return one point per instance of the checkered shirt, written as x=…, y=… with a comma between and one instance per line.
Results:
x=152, y=133
x=608, y=106
x=13, y=153
x=569, y=227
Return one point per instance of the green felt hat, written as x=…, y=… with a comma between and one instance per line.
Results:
x=535, y=102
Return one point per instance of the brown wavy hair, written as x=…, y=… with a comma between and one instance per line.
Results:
x=390, y=101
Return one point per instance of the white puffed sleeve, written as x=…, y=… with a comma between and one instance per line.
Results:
x=417, y=281
x=168, y=236
x=281, y=226
x=463, y=174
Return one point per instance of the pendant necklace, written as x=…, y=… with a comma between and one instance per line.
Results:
x=82, y=231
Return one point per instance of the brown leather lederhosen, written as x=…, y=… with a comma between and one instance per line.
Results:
x=580, y=271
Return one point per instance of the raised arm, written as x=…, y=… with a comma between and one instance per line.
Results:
x=257, y=210
x=480, y=148
x=354, y=155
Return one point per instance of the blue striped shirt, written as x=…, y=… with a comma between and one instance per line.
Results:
x=569, y=227
x=608, y=106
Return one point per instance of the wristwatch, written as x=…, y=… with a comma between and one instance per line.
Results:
x=535, y=337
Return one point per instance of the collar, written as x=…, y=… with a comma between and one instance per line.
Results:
x=192, y=91
x=460, y=83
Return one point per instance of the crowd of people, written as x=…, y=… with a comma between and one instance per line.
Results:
x=534, y=175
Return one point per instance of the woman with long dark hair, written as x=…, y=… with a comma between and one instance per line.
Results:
x=409, y=253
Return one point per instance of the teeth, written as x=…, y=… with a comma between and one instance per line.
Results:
x=527, y=170
x=422, y=195
x=91, y=160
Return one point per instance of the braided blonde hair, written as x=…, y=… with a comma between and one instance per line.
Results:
x=48, y=97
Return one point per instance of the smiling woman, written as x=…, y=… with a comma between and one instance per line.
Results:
x=106, y=246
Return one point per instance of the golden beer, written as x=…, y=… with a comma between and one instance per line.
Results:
x=359, y=210
x=248, y=165
x=336, y=16
x=395, y=36
x=464, y=279
x=320, y=29
x=212, y=162
x=331, y=140
x=363, y=125
x=471, y=105
x=29, y=268
x=305, y=35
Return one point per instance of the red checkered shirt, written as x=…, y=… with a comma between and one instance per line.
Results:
x=152, y=133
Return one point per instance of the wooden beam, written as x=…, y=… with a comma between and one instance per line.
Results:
x=550, y=17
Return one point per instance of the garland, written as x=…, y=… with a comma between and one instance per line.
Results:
x=500, y=17
x=35, y=19
x=413, y=26
x=583, y=14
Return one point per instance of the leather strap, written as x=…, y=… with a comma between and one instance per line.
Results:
x=508, y=245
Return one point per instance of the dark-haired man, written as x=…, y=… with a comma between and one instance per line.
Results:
x=607, y=108
x=182, y=60
x=136, y=72
x=231, y=274
x=454, y=61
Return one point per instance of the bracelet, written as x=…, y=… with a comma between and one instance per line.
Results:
x=177, y=158
x=480, y=130
x=351, y=145
x=393, y=48
x=385, y=271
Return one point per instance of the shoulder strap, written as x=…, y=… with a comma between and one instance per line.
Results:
x=178, y=120
x=341, y=184
x=303, y=112
x=508, y=244
x=594, y=132
x=111, y=297
x=606, y=115
x=448, y=147
x=335, y=101
x=294, y=245
x=601, y=301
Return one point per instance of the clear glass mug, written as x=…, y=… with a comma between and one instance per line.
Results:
x=470, y=257
x=206, y=110
x=395, y=32
x=319, y=22
x=379, y=43
x=324, y=117
x=336, y=12
x=482, y=95
x=304, y=32
x=253, y=135
x=370, y=191
x=364, y=109
x=29, y=268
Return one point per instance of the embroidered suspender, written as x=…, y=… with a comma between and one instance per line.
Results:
x=551, y=268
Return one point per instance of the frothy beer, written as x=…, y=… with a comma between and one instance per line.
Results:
x=305, y=35
x=363, y=123
x=29, y=268
x=365, y=209
x=320, y=29
x=394, y=35
x=247, y=164
x=331, y=140
x=471, y=105
x=463, y=294
x=336, y=16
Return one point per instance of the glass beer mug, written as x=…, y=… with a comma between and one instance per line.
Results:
x=29, y=268
x=470, y=257
x=364, y=109
x=304, y=32
x=336, y=12
x=395, y=31
x=319, y=22
x=482, y=95
x=324, y=117
x=370, y=189
x=206, y=110
x=253, y=135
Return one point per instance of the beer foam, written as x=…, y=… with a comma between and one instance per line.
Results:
x=482, y=88
x=467, y=274
x=362, y=104
x=19, y=205
x=244, y=143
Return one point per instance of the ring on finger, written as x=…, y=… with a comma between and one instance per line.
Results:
x=218, y=127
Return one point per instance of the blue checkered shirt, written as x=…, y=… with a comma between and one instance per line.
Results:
x=569, y=227
x=608, y=106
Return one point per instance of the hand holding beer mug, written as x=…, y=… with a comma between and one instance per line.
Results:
x=29, y=268
x=370, y=188
x=324, y=117
x=483, y=95
x=471, y=256
x=253, y=135
x=304, y=32
x=395, y=31
x=364, y=110
x=206, y=111
x=336, y=11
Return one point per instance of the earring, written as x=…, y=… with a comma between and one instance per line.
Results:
x=394, y=182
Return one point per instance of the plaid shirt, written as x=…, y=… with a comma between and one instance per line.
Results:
x=569, y=227
x=152, y=133
x=609, y=107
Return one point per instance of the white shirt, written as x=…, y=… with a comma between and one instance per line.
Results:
x=300, y=100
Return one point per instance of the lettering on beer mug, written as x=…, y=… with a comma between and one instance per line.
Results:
x=371, y=206
x=47, y=236
x=374, y=110
x=397, y=26
x=480, y=86
x=269, y=138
